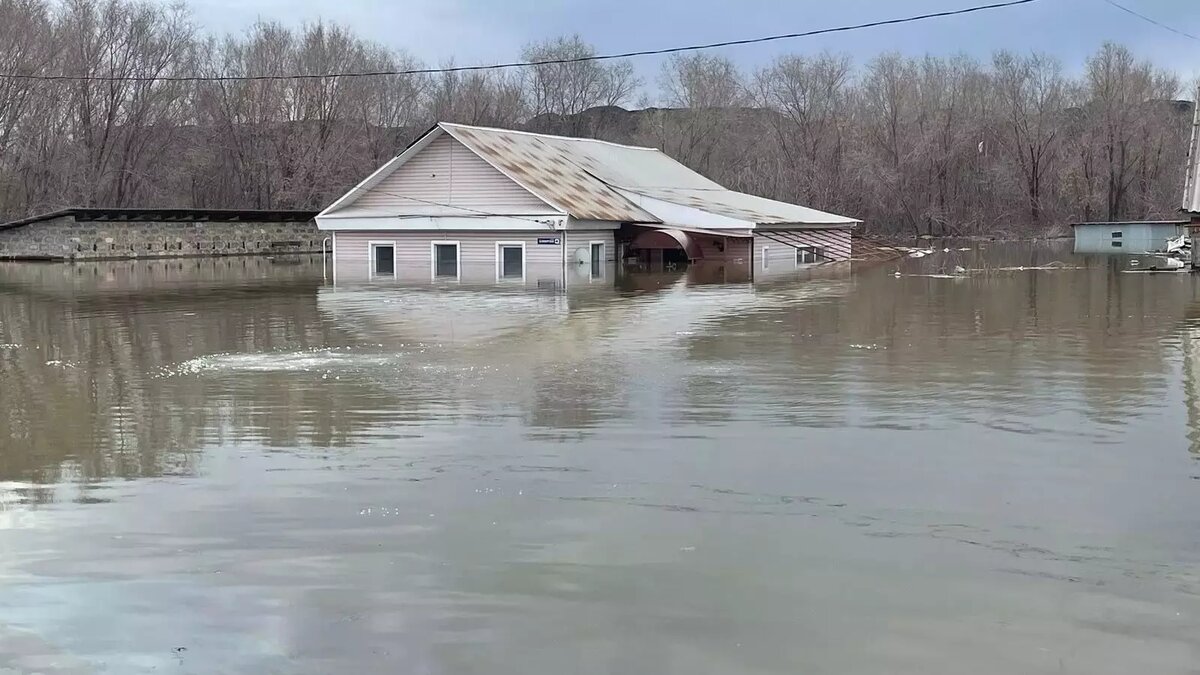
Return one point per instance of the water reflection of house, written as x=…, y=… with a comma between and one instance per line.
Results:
x=470, y=204
x=1191, y=381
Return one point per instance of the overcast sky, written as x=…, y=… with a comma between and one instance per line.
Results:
x=477, y=31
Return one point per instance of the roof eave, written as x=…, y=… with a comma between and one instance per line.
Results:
x=843, y=225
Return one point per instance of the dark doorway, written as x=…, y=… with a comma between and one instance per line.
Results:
x=674, y=258
x=597, y=251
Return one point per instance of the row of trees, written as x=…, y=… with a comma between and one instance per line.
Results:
x=911, y=145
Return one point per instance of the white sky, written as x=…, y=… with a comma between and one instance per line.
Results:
x=477, y=31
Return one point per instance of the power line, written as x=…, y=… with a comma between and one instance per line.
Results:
x=516, y=64
x=473, y=212
x=1147, y=19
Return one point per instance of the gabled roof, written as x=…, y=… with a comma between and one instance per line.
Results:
x=532, y=164
x=591, y=179
x=546, y=166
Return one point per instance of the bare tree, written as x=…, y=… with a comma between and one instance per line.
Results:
x=1033, y=95
x=701, y=91
x=812, y=97
x=917, y=146
x=122, y=123
x=1122, y=94
x=563, y=87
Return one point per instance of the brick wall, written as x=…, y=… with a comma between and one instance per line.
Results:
x=64, y=238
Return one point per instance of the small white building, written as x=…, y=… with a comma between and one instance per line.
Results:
x=480, y=205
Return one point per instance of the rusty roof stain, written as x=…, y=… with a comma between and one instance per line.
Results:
x=551, y=172
x=590, y=179
x=594, y=179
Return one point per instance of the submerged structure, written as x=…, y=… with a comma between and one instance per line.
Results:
x=475, y=204
x=1131, y=238
x=101, y=233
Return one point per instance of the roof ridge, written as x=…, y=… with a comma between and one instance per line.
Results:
x=554, y=136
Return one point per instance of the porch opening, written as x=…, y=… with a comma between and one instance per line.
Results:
x=665, y=249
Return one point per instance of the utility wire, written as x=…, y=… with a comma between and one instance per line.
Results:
x=514, y=64
x=471, y=212
x=1147, y=19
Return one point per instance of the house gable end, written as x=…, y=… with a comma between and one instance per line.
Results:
x=439, y=176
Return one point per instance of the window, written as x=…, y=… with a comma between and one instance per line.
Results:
x=597, y=251
x=445, y=259
x=383, y=259
x=510, y=260
x=766, y=257
x=1118, y=235
x=807, y=255
x=1116, y=244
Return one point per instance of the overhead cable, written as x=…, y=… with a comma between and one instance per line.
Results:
x=513, y=64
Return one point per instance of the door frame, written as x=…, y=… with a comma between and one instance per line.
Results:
x=603, y=254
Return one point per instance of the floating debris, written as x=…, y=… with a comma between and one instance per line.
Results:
x=1048, y=267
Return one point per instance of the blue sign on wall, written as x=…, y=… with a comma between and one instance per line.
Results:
x=552, y=241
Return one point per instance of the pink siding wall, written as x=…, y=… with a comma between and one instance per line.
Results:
x=836, y=245
x=582, y=239
x=477, y=253
x=446, y=172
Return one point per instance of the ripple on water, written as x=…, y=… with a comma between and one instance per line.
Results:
x=316, y=360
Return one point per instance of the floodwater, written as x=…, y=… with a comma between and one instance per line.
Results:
x=230, y=466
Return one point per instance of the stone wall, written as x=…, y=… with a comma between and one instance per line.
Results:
x=65, y=238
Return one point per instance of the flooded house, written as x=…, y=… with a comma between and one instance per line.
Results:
x=95, y=233
x=1129, y=238
x=479, y=205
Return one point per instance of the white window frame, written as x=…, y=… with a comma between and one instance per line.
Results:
x=816, y=252
x=766, y=257
x=457, y=260
x=500, y=245
x=603, y=258
x=371, y=244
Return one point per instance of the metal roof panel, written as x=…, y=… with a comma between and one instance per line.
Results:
x=584, y=177
x=742, y=206
x=550, y=170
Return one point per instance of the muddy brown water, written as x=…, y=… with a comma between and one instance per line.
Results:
x=230, y=466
